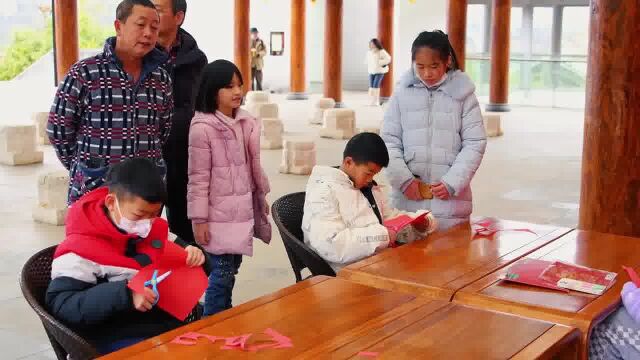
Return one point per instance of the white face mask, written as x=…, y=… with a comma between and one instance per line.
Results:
x=140, y=228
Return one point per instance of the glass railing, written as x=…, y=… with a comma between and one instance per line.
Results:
x=536, y=82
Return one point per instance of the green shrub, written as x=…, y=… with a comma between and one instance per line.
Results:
x=29, y=45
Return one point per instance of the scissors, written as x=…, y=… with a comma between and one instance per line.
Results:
x=153, y=283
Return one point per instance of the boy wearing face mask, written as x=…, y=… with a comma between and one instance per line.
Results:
x=111, y=233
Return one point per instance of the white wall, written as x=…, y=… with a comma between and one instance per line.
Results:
x=410, y=20
x=211, y=23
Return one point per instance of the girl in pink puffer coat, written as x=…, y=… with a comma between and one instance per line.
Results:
x=226, y=194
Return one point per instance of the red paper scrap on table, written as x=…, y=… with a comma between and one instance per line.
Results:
x=180, y=291
x=633, y=275
x=237, y=342
x=527, y=271
x=398, y=223
x=488, y=228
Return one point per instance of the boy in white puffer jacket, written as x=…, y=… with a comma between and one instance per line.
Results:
x=345, y=210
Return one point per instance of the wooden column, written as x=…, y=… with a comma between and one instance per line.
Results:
x=457, y=28
x=66, y=35
x=241, y=45
x=500, y=28
x=298, y=39
x=385, y=35
x=333, y=51
x=610, y=193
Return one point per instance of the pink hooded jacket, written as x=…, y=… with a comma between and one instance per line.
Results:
x=227, y=190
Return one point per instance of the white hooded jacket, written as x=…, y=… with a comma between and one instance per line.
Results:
x=339, y=224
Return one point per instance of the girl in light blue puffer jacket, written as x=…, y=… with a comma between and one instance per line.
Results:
x=434, y=132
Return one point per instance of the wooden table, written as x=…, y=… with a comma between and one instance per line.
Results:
x=460, y=332
x=337, y=319
x=445, y=262
x=596, y=250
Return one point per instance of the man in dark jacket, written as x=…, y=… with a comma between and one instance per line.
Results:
x=185, y=64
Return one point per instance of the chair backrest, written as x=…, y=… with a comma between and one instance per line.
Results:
x=287, y=213
x=34, y=280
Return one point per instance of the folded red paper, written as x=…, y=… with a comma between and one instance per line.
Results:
x=179, y=292
x=398, y=223
x=527, y=271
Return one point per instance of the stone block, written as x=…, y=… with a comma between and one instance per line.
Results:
x=255, y=97
x=271, y=134
x=492, y=124
x=18, y=145
x=338, y=124
x=52, y=198
x=263, y=110
x=40, y=120
x=370, y=129
x=298, y=157
x=319, y=109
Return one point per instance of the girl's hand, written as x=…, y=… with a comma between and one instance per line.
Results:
x=195, y=257
x=412, y=192
x=201, y=233
x=440, y=191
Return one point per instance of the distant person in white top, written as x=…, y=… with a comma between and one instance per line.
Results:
x=378, y=62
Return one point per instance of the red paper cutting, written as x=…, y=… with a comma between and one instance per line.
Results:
x=180, y=291
x=633, y=275
x=237, y=342
x=487, y=228
x=398, y=223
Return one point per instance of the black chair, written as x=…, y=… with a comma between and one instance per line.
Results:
x=34, y=280
x=287, y=214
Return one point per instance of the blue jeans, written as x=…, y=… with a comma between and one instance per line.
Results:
x=375, y=80
x=221, y=281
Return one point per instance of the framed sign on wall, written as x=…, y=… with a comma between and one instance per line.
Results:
x=277, y=43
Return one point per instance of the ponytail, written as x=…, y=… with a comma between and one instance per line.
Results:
x=438, y=41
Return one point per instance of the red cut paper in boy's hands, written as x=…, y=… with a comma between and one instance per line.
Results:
x=633, y=275
x=179, y=292
x=398, y=223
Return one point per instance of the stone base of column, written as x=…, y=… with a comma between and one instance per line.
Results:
x=498, y=107
x=297, y=96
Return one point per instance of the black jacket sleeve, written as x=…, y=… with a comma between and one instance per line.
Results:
x=79, y=303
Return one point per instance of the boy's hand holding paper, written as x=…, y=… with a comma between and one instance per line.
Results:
x=178, y=293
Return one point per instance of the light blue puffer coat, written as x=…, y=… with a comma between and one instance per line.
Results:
x=436, y=134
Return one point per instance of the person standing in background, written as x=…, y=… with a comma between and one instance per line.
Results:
x=185, y=65
x=378, y=61
x=258, y=52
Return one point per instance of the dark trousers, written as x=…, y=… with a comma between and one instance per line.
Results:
x=179, y=223
x=256, y=79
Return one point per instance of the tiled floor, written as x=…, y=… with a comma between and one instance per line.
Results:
x=532, y=173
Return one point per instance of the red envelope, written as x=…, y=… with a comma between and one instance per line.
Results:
x=181, y=290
